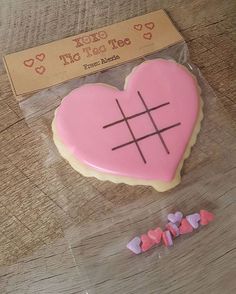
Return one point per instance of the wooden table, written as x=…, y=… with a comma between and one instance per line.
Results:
x=62, y=233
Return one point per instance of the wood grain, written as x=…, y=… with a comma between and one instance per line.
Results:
x=63, y=233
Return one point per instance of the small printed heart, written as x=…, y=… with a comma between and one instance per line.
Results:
x=134, y=245
x=149, y=25
x=29, y=62
x=40, y=69
x=206, y=217
x=175, y=218
x=138, y=27
x=146, y=243
x=185, y=227
x=155, y=235
x=40, y=56
x=147, y=36
x=193, y=219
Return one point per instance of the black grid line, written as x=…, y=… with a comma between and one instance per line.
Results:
x=135, y=115
x=154, y=124
x=136, y=140
x=146, y=136
x=131, y=132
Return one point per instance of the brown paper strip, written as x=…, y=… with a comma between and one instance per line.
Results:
x=53, y=63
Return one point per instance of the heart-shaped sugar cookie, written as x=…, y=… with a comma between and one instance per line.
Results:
x=140, y=135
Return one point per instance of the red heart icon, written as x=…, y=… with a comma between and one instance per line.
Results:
x=149, y=25
x=29, y=62
x=147, y=36
x=185, y=227
x=40, y=69
x=206, y=217
x=146, y=243
x=138, y=27
x=155, y=235
x=40, y=56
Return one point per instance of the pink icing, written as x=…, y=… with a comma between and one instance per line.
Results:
x=85, y=111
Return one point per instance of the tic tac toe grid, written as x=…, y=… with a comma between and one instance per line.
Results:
x=147, y=111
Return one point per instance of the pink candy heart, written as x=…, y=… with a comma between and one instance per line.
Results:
x=193, y=219
x=134, y=245
x=146, y=243
x=185, y=227
x=155, y=235
x=173, y=229
x=206, y=217
x=175, y=218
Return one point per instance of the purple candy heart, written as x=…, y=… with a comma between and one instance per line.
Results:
x=176, y=217
x=193, y=219
x=134, y=245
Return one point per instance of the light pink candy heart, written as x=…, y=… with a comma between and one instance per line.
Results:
x=134, y=245
x=155, y=235
x=90, y=122
x=193, y=219
x=175, y=218
x=146, y=243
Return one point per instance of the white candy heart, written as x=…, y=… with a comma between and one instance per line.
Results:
x=193, y=219
x=176, y=217
x=134, y=245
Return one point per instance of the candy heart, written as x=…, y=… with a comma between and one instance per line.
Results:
x=167, y=239
x=134, y=245
x=138, y=27
x=193, y=219
x=135, y=136
x=206, y=217
x=173, y=229
x=155, y=235
x=146, y=243
x=185, y=227
x=176, y=217
x=147, y=36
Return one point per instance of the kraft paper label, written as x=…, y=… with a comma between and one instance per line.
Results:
x=40, y=67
